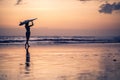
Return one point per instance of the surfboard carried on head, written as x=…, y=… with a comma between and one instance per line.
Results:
x=26, y=21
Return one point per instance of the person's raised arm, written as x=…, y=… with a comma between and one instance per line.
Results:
x=31, y=24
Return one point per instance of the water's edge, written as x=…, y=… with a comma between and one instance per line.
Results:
x=59, y=39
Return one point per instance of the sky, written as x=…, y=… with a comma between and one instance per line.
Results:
x=60, y=17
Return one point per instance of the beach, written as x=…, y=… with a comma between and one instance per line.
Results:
x=69, y=40
x=94, y=61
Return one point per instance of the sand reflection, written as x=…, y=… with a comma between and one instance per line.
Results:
x=27, y=63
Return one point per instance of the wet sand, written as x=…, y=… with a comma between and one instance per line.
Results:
x=60, y=62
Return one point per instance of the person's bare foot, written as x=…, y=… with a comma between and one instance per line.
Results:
x=27, y=46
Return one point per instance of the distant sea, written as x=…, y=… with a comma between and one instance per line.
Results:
x=39, y=40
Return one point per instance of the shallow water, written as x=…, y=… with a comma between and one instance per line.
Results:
x=60, y=62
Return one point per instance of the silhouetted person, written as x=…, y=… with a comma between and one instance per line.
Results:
x=27, y=27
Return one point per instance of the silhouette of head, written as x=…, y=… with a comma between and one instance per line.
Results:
x=27, y=24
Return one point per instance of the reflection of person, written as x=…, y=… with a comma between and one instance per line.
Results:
x=27, y=27
x=27, y=57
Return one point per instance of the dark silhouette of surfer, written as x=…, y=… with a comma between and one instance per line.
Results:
x=27, y=27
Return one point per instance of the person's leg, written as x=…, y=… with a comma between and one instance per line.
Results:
x=27, y=38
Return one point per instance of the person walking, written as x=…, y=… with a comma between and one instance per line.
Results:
x=27, y=27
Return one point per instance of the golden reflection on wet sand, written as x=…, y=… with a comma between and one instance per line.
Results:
x=60, y=62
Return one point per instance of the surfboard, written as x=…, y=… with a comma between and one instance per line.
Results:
x=26, y=21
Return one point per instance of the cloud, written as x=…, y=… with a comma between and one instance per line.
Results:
x=94, y=0
x=18, y=2
x=109, y=8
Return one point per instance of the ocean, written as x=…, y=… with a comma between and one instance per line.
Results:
x=49, y=40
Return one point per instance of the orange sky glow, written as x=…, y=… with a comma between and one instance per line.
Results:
x=56, y=17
